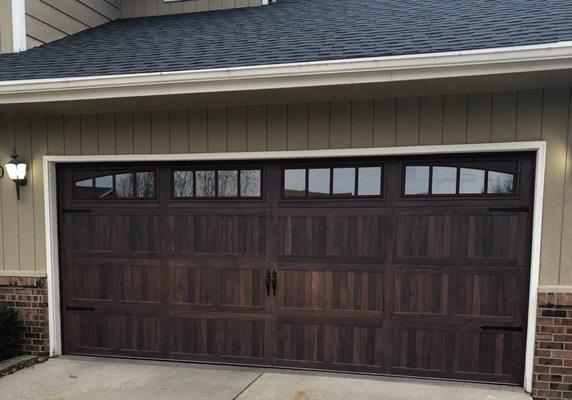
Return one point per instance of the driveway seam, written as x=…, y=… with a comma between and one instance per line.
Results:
x=247, y=386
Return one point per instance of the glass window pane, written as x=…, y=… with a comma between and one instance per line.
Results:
x=104, y=187
x=500, y=182
x=228, y=183
x=319, y=182
x=125, y=185
x=83, y=189
x=183, y=184
x=416, y=180
x=294, y=182
x=369, y=181
x=344, y=181
x=205, y=181
x=472, y=181
x=444, y=180
x=145, y=185
x=250, y=183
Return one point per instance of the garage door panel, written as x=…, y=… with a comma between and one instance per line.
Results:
x=462, y=238
x=92, y=333
x=421, y=292
x=486, y=356
x=323, y=345
x=331, y=290
x=141, y=334
x=336, y=235
x=191, y=286
x=192, y=337
x=126, y=234
x=420, y=351
x=217, y=234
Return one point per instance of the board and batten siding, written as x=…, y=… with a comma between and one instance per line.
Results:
x=49, y=20
x=147, y=8
x=433, y=120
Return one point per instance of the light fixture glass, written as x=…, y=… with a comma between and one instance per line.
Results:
x=17, y=170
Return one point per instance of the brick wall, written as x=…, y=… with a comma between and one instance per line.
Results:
x=553, y=353
x=30, y=297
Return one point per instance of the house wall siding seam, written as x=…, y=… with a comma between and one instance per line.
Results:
x=49, y=20
x=466, y=118
x=28, y=296
x=553, y=350
x=139, y=8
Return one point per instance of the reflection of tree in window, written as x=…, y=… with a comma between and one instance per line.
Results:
x=124, y=185
x=205, y=181
x=250, y=183
x=500, y=183
x=228, y=183
x=183, y=183
x=145, y=184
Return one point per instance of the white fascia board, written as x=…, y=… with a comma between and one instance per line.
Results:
x=534, y=58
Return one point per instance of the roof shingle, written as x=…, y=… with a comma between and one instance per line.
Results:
x=293, y=31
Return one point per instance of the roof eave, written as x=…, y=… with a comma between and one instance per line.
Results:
x=459, y=64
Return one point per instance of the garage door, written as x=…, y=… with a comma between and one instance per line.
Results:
x=405, y=266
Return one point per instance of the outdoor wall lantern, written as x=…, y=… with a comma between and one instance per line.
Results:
x=16, y=170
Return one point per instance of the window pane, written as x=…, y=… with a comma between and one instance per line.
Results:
x=83, y=189
x=444, y=180
x=145, y=185
x=205, y=181
x=124, y=185
x=369, y=181
x=319, y=182
x=345, y=181
x=228, y=183
x=183, y=183
x=104, y=187
x=499, y=182
x=416, y=180
x=294, y=182
x=250, y=183
x=472, y=181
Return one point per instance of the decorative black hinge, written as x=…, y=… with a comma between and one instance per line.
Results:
x=508, y=209
x=502, y=328
x=76, y=210
x=76, y=308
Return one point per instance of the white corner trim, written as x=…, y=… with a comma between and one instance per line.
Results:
x=545, y=57
x=51, y=212
x=19, y=25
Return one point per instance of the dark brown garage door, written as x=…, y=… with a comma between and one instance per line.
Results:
x=406, y=266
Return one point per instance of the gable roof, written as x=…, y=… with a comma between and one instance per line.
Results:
x=293, y=31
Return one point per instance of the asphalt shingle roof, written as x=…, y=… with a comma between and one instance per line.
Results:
x=293, y=31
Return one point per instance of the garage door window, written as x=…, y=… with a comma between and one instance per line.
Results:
x=110, y=186
x=437, y=180
x=217, y=184
x=333, y=182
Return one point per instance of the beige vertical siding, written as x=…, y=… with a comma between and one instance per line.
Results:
x=469, y=118
x=49, y=20
x=6, y=33
x=146, y=8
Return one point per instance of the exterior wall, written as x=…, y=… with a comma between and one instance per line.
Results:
x=553, y=355
x=145, y=8
x=29, y=296
x=6, y=29
x=49, y=20
x=451, y=119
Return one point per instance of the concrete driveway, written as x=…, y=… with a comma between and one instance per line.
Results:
x=75, y=378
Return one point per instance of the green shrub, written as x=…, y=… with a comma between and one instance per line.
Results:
x=9, y=332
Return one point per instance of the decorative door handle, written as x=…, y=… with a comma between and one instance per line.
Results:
x=274, y=282
x=503, y=328
x=268, y=278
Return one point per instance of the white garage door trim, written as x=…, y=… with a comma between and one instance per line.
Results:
x=51, y=214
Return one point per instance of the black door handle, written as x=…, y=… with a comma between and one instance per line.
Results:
x=75, y=308
x=274, y=282
x=502, y=328
x=268, y=278
x=76, y=210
